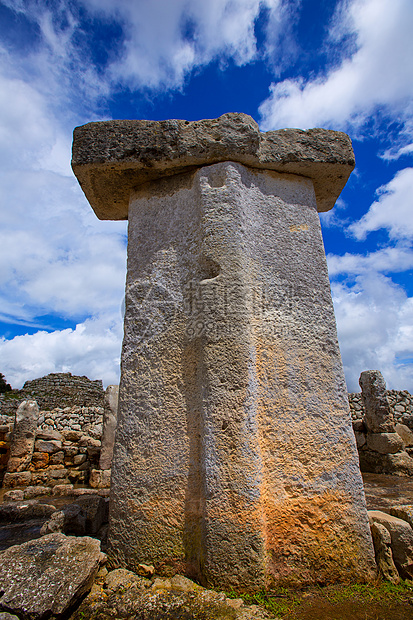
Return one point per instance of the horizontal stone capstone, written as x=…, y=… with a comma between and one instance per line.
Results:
x=111, y=159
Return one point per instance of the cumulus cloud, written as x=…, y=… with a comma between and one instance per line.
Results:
x=377, y=74
x=374, y=314
x=374, y=322
x=91, y=349
x=392, y=210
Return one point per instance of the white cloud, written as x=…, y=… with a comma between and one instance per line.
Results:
x=91, y=349
x=378, y=74
x=374, y=322
x=393, y=210
x=164, y=40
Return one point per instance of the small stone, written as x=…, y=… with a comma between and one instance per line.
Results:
x=121, y=577
x=401, y=541
x=145, y=570
x=40, y=460
x=378, y=417
x=17, y=479
x=403, y=512
x=360, y=439
x=62, y=489
x=13, y=496
x=36, y=491
x=385, y=443
x=48, y=446
x=78, y=459
x=405, y=433
x=384, y=556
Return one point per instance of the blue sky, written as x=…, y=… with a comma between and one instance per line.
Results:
x=339, y=64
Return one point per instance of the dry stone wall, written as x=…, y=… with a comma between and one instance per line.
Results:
x=400, y=401
x=66, y=443
x=56, y=390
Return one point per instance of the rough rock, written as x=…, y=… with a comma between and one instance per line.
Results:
x=120, y=577
x=37, y=491
x=385, y=443
x=23, y=436
x=47, y=575
x=14, y=495
x=49, y=435
x=110, y=417
x=71, y=519
x=401, y=541
x=112, y=158
x=47, y=446
x=85, y=516
x=399, y=464
x=378, y=417
x=5, y=616
x=403, y=512
x=405, y=433
x=17, y=479
x=360, y=439
x=100, y=478
x=135, y=597
x=384, y=557
x=24, y=510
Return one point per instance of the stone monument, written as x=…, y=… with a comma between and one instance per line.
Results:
x=235, y=460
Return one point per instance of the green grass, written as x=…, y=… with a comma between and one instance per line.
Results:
x=283, y=602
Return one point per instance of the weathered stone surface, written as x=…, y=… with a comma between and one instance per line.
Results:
x=100, y=479
x=110, y=417
x=48, y=446
x=360, y=439
x=112, y=158
x=47, y=575
x=405, y=433
x=401, y=541
x=23, y=436
x=49, y=435
x=17, y=479
x=403, y=512
x=399, y=464
x=24, y=510
x=120, y=577
x=31, y=492
x=378, y=417
x=233, y=407
x=385, y=443
x=384, y=557
x=15, y=495
x=135, y=597
x=85, y=516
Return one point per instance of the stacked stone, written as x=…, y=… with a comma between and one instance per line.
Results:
x=88, y=420
x=5, y=435
x=46, y=456
x=64, y=389
x=400, y=402
x=382, y=441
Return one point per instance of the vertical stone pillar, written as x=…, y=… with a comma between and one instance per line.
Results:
x=110, y=417
x=235, y=459
x=23, y=436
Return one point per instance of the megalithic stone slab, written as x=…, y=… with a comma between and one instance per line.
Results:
x=234, y=459
x=23, y=436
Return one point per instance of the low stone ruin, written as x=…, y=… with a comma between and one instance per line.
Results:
x=64, y=445
x=383, y=430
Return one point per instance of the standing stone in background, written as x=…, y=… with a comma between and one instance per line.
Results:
x=110, y=417
x=23, y=436
x=235, y=459
x=378, y=417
